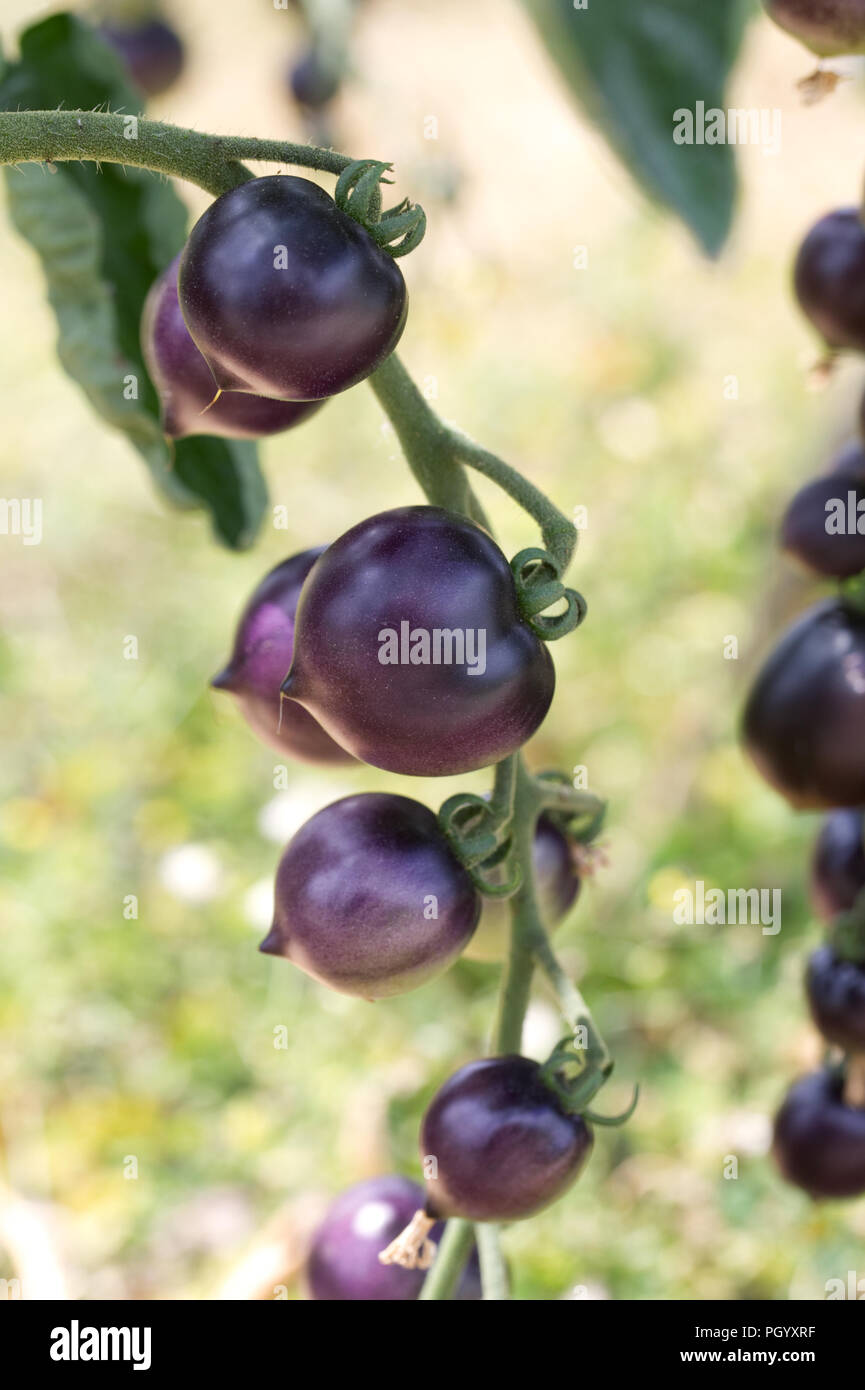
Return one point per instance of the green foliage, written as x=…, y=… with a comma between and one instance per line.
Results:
x=631, y=66
x=103, y=235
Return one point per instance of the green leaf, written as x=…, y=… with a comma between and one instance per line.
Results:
x=632, y=66
x=103, y=235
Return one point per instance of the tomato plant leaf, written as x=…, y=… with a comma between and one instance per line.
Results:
x=631, y=67
x=102, y=236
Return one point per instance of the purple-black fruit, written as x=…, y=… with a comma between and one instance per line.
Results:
x=411, y=650
x=836, y=995
x=312, y=82
x=557, y=885
x=287, y=296
x=819, y=1142
x=828, y=27
x=821, y=525
x=370, y=899
x=343, y=1261
x=804, y=722
x=838, y=865
x=503, y=1146
x=185, y=384
x=152, y=52
x=263, y=647
x=829, y=278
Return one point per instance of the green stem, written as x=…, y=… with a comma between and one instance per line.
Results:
x=560, y=536
x=214, y=162
x=453, y=1251
x=424, y=438
x=494, y=1270
x=504, y=789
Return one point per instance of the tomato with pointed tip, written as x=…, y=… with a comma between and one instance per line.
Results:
x=185, y=385
x=411, y=650
x=838, y=864
x=504, y=1148
x=829, y=279
x=830, y=28
x=263, y=647
x=819, y=1140
x=287, y=296
x=343, y=1262
x=804, y=721
x=370, y=899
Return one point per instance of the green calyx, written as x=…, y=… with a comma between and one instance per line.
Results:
x=397, y=230
x=576, y=1069
x=536, y=576
x=481, y=840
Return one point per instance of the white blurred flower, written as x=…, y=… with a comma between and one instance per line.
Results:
x=258, y=904
x=541, y=1030
x=286, y=812
x=192, y=873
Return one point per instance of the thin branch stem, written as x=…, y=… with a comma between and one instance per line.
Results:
x=560, y=535
x=453, y=1251
x=214, y=162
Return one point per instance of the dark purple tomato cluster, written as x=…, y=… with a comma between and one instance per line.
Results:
x=829, y=28
x=411, y=650
x=262, y=653
x=343, y=1261
x=804, y=720
x=184, y=382
x=287, y=296
x=151, y=51
x=557, y=884
x=497, y=1144
x=277, y=301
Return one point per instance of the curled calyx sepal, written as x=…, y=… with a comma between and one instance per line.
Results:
x=397, y=230
x=576, y=1069
x=578, y=814
x=481, y=839
x=539, y=586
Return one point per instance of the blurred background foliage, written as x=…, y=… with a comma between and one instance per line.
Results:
x=154, y=1038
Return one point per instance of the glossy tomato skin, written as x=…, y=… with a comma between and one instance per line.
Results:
x=503, y=1146
x=838, y=864
x=829, y=278
x=557, y=884
x=829, y=28
x=343, y=1261
x=836, y=995
x=287, y=296
x=185, y=385
x=819, y=1142
x=816, y=526
x=263, y=647
x=804, y=722
x=370, y=899
x=152, y=52
x=434, y=572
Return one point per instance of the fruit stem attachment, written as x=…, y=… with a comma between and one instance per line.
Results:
x=412, y=1248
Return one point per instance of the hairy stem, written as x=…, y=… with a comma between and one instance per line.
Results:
x=214, y=162
x=560, y=536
